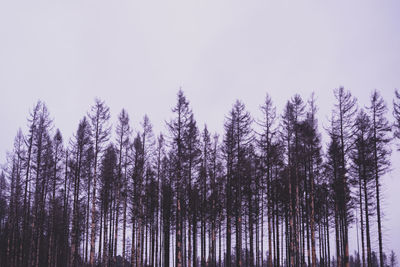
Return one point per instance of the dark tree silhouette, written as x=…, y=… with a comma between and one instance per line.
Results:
x=177, y=127
x=344, y=113
x=381, y=152
x=81, y=146
x=265, y=195
x=363, y=169
x=99, y=117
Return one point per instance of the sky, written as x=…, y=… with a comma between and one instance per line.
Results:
x=137, y=54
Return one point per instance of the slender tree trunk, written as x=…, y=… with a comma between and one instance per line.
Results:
x=377, y=185
x=228, y=234
x=220, y=243
x=327, y=235
x=246, y=249
x=110, y=255
x=53, y=222
x=337, y=234
x=65, y=213
x=93, y=219
x=258, y=235
x=312, y=226
x=124, y=232
x=116, y=224
x=269, y=192
x=378, y=210
x=239, y=237
x=87, y=221
x=139, y=242
x=277, y=240
x=162, y=242
x=303, y=253
x=251, y=233
x=178, y=240
x=166, y=244
x=291, y=223
x=262, y=228
x=362, y=221
x=105, y=245
x=369, y=256
x=194, y=225
x=26, y=202
x=100, y=233
x=133, y=255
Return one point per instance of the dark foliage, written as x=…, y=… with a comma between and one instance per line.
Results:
x=264, y=194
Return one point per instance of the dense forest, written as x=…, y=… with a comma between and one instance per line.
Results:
x=265, y=192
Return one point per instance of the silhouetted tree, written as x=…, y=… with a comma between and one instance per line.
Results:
x=107, y=185
x=268, y=133
x=265, y=196
x=177, y=128
x=344, y=113
x=363, y=159
x=55, y=180
x=123, y=133
x=80, y=148
x=98, y=117
x=238, y=136
x=381, y=152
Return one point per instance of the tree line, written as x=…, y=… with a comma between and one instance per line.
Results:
x=263, y=193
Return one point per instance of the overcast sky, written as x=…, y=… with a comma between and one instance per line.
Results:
x=137, y=54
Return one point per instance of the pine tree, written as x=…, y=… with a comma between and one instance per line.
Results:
x=177, y=128
x=54, y=183
x=344, y=112
x=137, y=209
x=312, y=146
x=268, y=133
x=98, y=117
x=238, y=136
x=192, y=152
x=107, y=184
x=41, y=146
x=80, y=146
x=363, y=158
x=14, y=204
x=123, y=133
x=181, y=199
x=380, y=141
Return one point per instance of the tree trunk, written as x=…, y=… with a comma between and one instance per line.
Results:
x=105, y=246
x=312, y=226
x=362, y=220
x=269, y=192
x=133, y=258
x=369, y=256
x=93, y=219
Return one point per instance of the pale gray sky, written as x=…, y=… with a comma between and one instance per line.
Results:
x=136, y=55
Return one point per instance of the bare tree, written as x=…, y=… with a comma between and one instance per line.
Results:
x=99, y=117
x=344, y=112
x=177, y=128
x=80, y=146
x=265, y=199
x=380, y=141
x=123, y=132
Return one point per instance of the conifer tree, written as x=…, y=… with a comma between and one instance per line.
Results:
x=381, y=151
x=98, y=117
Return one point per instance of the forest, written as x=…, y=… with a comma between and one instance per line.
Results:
x=264, y=192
